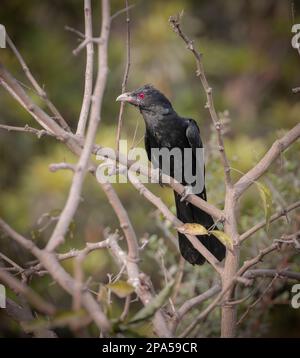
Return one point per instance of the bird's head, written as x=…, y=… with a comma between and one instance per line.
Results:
x=147, y=98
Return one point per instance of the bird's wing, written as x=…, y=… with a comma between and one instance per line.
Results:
x=193, y=135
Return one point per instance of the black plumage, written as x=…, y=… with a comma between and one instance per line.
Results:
x=166, y=129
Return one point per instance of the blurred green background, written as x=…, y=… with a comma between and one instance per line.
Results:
x=252, y=68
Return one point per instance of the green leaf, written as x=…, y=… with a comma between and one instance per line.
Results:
x=266, y=197
x=192, y=229
x=121, y=288
x=224, y=238
x=150, y=309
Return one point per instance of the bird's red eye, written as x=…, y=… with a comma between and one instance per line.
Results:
x=141, y=95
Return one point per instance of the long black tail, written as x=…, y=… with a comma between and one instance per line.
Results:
x=189, y=213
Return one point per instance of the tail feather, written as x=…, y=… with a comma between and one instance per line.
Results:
x=188, y=213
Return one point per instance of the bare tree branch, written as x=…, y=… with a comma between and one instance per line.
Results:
x=54, y=167
x=89, y=247
x=125, y=78
x=273, y=218
x=195, y=301
x=229, y=285
x=258, y=300
x=232, y=192
x=249, y=263
x=126, y=226
x=207, y=310
x=77, y=32
x=176, y=26
x=142, y=290
x=14, y=88
x=88, y=86
x=131, y=260
x=11, y=262
x=278, y=147
x=119, y=12
x=74, y=194
x=152, y=174
x=38, y=132
x=271, y=273
x=41, y=92
x=37, y=301
x=49, y=261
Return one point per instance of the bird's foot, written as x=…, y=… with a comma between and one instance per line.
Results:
x=188, y=190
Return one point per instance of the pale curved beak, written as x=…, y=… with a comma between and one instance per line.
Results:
x=125, y=97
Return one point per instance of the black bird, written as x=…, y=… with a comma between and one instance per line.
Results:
x=166, y=129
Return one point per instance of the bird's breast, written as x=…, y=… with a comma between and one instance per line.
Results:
x=168, y=134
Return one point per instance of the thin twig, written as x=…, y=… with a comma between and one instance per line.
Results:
x=273, y=218
x=119, y=12
x=90, y=247
x=273, y=272
x=77, y=32
x=38, y=132
x=88, y=85
x=41, y=92
x=278, y=147
x=257, y=301
x=87, y=41
x=36, y=300
x=125, y=77
x=193, y=302
x=10, y=261
x=17, y=92
x=126, y=308
x=54, y=167
x=176, y=26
